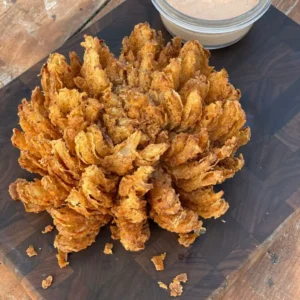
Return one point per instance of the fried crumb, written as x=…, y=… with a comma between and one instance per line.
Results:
x=203, y=230
x=162, y=285
x=47, y=282
x=48, y=228
x=187, y=239
x=13, y=191
x=115, y=232
x=108, y=248
x=31, y=251
x=181, y=277
x=158, y=261
x=62, y=259
x=175, y=286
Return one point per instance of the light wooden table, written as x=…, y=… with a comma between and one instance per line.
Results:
x=273, y=271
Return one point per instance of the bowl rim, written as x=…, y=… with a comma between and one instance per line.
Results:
x=211, y=26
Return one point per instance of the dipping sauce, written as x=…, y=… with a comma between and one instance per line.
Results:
x=214, y=23
x=213, y=9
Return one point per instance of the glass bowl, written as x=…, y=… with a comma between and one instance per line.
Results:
x=212, y=34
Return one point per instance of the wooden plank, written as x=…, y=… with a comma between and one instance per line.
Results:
x=10, y=286
x=273, y=273
x=289, y=7
x=106, y=9
x=31, y=29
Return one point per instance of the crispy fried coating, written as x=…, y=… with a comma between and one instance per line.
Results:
x=158, y=261
x=175, y=286
x=162, y=285
x=33, y=120
x=194, y=58
x=220, y=89
x=91, y=146
x=185, y=146
x=93, y=79
x=151, y=154
x=186, y=239
x=205, y=202
x=48, y=228
x=166, y=209
x=108, y=248
x=131, y=214
x=95, y=193
x=62, y=259
x=123, y=156
x=31, y=251
x=47, y=282
x=123, y=139
x=39, y=194
x=76, y=232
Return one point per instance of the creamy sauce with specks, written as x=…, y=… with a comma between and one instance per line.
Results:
x=213, y=9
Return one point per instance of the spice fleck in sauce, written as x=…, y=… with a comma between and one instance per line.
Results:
x=213, y=9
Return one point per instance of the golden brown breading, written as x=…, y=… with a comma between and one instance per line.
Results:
x=108, y=248
x=48, y=228
x=194, y=58
x=93, y=79
x=130, y=213
x=220, y=89
x=175, y=286
x=124, y=154
x=185, y=146
x=62, y=259
x=205, y=202
x=158, y=261
x=151, y=154
x=162, y=285
x=115, y=232
x=186, y=239
x=31, y=251
x=76, y=232
x=144, y=135
x=47, y=282
x=166, y=209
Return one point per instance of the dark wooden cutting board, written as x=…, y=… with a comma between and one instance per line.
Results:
x=265, y=65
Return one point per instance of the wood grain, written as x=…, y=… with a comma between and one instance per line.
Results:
x=273, y=273
x=10, y=286
x=289, y=7
x=31, y=29
x=106, y=9
x=282, y=282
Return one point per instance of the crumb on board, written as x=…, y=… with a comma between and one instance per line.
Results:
x=48, y=228
x=187, y=239
x=158, y=261
x=31, y=251
x=62, y=259
x=175, y=286
x=162, y=285
x=108, y=248
x=223, y=221
x=47, y=282
x=203, y=230
x=13, y=191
